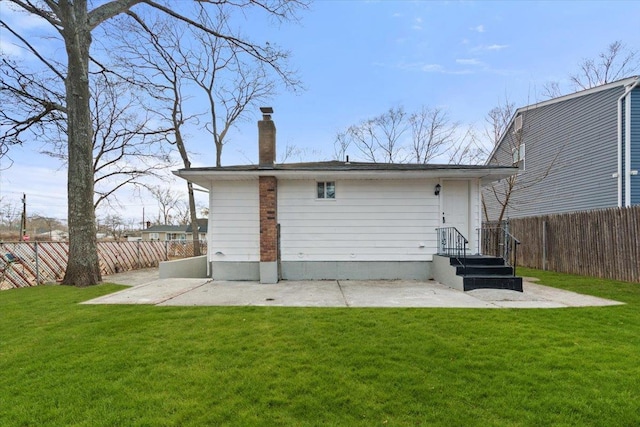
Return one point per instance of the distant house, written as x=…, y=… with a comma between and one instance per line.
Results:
x=576, y=152
x=335, y=219
x=203, y=226
x=175, y=232
x=165, y=233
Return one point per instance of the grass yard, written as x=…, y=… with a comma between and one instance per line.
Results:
x=65, y=364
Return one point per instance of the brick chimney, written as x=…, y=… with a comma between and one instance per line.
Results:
x=268, y=193
x=266, y=139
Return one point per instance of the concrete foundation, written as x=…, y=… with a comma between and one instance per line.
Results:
x=190, y=268
x=224, y=270
x=356, y=270
x=444, y=273
x=269, y=272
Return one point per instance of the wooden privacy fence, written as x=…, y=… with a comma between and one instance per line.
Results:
x=32, y=263
x=602, y=243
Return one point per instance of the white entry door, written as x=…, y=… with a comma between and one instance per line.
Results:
x=455, y=206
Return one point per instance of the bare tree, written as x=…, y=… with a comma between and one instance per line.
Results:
x=511, y=149
x=497, y=121
x=158, y=64
x=341, y=145
x=432, y=133
x=466, y=149
x=231, y=81
x=168, y=201
x=9, y=213
x=112, y=225
x=182, y=213
x=551, y=89
x=126, y=148
x=378, y=139
x=233, y=86
x=400, y=137
x=614, y=63
x=73, y=24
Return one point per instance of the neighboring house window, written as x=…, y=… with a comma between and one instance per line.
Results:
x=518, y=124
x=154, y=236
x=518, y=156
x=327, y=190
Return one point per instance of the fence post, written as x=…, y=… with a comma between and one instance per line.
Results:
x=544, y=245
x=138, y=247
x=505, y=236
x=35, y=250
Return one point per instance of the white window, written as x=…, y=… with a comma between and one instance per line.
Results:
x=518, y=124
x=154, y=236
x=518, y=156
x=326, y=190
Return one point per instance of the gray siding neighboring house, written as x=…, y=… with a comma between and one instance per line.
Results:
x=576, y=152
x=634, y=136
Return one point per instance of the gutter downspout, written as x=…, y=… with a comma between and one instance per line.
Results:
x=624, y=171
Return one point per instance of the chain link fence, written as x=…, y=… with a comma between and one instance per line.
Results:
x=25, y=264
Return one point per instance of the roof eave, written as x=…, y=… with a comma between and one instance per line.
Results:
x=205, y=177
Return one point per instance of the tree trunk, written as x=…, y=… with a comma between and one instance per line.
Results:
x=187, y=164
x=194, y=221
x=83, y=268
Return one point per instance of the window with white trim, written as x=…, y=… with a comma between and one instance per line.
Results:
x=518, y=156
x=326, y=190
x=518, y=124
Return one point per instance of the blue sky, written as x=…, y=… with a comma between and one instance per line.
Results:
x=359, y=58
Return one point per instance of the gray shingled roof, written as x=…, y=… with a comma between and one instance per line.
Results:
x=203, y=224
x=166, y=229
x=335, y=165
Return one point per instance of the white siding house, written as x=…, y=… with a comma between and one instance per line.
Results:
x=335, y=220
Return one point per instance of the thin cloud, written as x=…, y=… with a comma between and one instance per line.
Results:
x=492, y=47
x=433, y=68
x=497, y=46
x=414, y=66
x=479, y=28
x=469, y=62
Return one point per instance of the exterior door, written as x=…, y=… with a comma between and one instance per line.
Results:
x=455, y=206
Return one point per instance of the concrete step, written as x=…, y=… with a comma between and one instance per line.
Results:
x=472, y=282
x=484, y=270
x=477, y=260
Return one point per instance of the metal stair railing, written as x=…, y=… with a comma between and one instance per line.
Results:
x=452, y=243
x=499, y=242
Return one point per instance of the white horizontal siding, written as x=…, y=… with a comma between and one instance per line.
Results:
x=369, y=220
x=234, y=221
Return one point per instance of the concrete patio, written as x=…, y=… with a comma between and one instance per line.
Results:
x=148, y=289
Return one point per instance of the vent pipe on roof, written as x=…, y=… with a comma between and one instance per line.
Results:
x=266, y=138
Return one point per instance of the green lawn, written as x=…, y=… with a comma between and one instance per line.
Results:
x=65, y=364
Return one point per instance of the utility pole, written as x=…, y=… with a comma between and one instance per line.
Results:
x=23, y=222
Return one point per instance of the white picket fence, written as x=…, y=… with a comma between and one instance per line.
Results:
x=25, y=264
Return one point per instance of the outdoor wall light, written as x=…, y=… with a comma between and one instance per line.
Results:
x=437, y=191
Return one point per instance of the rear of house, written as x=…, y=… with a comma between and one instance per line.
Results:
x=576, y=152
x=334, y=220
